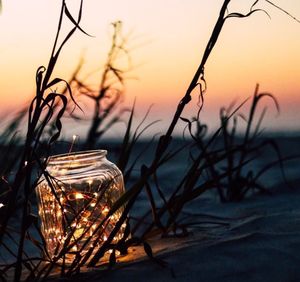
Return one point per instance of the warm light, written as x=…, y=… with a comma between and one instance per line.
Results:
x=78, y=232
x=105, y=210
x=79, y=196
x=1, y=205
x=73, y=209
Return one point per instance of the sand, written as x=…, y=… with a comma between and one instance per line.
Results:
x=255, y=240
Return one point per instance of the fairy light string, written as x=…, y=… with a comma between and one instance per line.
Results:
x=73, y=205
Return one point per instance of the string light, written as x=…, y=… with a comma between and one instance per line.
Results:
x=72, y=209
x=105, y=210
x=79, y=196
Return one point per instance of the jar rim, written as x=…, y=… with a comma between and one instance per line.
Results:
x=97, y=152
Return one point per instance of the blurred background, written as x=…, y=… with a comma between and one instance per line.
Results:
x=166, y=40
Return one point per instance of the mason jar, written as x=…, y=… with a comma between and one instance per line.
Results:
x=75, y=196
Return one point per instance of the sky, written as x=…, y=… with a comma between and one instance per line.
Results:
x=167, y=40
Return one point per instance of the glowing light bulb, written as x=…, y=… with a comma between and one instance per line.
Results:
x=105, y=210
x=78, y=233
x=79, y=196
x=1, y=205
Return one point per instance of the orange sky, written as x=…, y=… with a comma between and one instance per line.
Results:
x=170, y=36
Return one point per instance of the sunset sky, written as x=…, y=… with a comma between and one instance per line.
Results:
x=167, y=41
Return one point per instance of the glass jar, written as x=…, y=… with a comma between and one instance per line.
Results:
x=74, y=197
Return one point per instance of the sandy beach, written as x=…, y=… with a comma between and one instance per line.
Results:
x=255, y=240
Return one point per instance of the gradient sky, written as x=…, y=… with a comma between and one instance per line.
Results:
x=168, y=39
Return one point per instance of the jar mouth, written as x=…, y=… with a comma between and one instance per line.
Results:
x=79, y=155
x=75, y=163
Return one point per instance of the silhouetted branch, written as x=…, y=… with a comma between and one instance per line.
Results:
x=282, y=10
